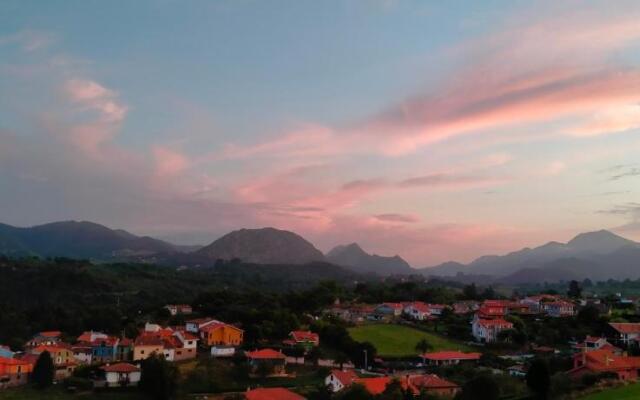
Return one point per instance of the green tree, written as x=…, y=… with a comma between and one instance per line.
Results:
x=159, y=378
x=539, y=378
x=575, y=291
x=483, y=387
x=44, y=371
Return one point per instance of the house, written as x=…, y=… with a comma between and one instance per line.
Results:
x=535, y=303
x=389, y=309
x=216, y=333
x=266, y=360
x=465, y=307
x=596, y=343
x=417, y=310
x=517, y=371
x=491, y=309
x=187, y=345
x=436, y=309
x=194, y=325
x=124, y=349
x=104, y=349
x=91, y=336
x=45, y=338
x=430, y=384
x=83, y=353
x=62, y=356
x=272, y=394
x=340, y=379
x=449, y=357
x=14, y=372
x=118, y=375
x=626, y=333
x=487, y=330
x=182, y=309
x=559, y=308
x=605, y=360
x=223, y=351
x=145, y=345
x=305, y=339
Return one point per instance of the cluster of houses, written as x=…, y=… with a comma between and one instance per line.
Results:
x=488, y=317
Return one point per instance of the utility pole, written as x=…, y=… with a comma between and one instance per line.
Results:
x=365, y=360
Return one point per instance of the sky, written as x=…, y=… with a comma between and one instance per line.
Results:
x=433, y=130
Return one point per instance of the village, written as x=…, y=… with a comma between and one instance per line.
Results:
x=115, y=362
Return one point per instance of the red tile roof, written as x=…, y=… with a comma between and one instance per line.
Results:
x=51, y=334
x=346, y=377
x=451, y=355
x=430, y=381
x=272, y=394
x=144, y=340
x=607, y=360
x=305, y=336
x=120, y=367
x=374, y=386
x=13, y=361
x=625, y=327
x=499, y=322
x=265, y=354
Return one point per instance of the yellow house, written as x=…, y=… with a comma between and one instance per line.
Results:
x=62, y=356
x=144, y=346
x=220, y=334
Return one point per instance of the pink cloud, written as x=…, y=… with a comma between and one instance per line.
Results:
x=397, y=218
x=612, y=120
x=168, y=162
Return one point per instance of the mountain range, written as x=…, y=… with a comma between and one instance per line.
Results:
x=596, y=255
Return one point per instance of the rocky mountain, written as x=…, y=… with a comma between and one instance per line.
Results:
x=353, y=257
x=75, y=239
x=262, y=246
x=595, y=255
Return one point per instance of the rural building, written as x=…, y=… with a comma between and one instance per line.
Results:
x=449, y=357
x=119, y=375
x=604, y=360
x=340, y=379
x=487, y=330
x=266, y=360
x=14, y=372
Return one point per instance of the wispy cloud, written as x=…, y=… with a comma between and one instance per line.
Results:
x=29, y=40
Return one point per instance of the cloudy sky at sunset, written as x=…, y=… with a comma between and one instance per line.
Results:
x=431, y=130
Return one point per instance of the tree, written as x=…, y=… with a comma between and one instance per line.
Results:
x=470, y=292
x=575, y=291
x=483, y=387
x=44, y=371
x=539, y=378
x=159, y=378
x=423, y=346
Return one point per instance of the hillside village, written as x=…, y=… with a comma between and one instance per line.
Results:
x=486, y=335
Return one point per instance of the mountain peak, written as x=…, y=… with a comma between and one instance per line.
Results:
x=602, y=241
x=354, y=257
x=263, y=246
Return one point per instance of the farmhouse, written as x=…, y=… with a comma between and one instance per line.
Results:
x=305, y=339
x=604, y=360
x=340, y=379
x=268, y=361
x=487, y=330
x=626, y=333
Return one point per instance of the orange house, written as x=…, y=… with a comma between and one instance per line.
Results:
x=605, y=360
x=221, y=334
x=14, y=372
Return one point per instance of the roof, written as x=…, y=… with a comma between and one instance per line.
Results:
x=451, y=355
x=200, y=321
x=420, y=307
x=13, y=361
x=144, y=340
x=429, y=381
x=305, y=336
x=625, y=327
x=265, y=354
x=607, y=360
x=272, y=394
x=120, y=367
x=346, y=377
x=51, y=349
x=213, y=325
x=488, y=323
x=395, y=306
x=374, y=385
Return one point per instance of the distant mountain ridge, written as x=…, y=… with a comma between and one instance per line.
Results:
x=77, y=239
x=353, y=257
x=595, y=255
x=262, y=246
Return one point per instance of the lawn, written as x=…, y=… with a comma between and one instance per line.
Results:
x=399, y=341
x=627, y=392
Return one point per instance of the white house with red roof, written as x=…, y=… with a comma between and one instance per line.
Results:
x=487, y=330
x=417, y=310
x=626, y=333
x=559, y=308
x=449, y=357
x=119, y=375
x=340, y=379
x=596, y=343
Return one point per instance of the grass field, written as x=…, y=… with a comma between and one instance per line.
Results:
x=399, y=341
x=629, y=392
